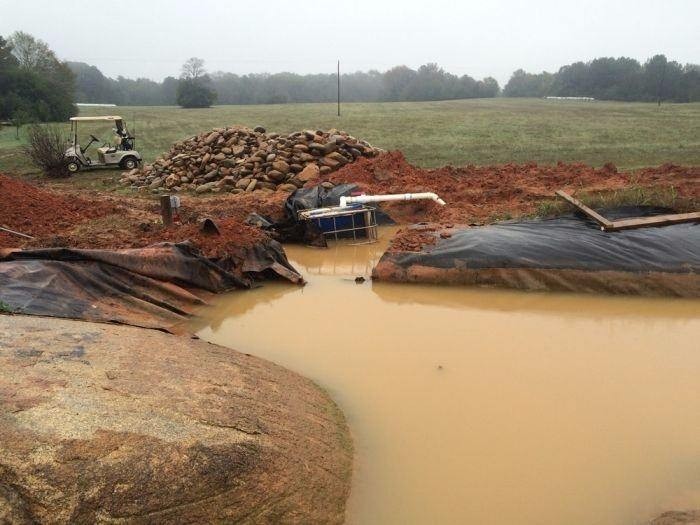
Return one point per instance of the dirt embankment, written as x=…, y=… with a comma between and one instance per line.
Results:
x=120, y=425
x=483, y=194
x=474, y=195
x=38, y=212
x=65, y=219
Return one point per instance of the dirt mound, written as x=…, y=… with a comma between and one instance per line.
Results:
x=238, y=159
x=57, y=220
x=477, y=194
x=107, y=424
x=37, y=212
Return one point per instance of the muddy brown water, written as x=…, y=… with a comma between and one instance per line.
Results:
x=484, y=406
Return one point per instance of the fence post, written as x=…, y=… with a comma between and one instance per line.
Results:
x=166, y=210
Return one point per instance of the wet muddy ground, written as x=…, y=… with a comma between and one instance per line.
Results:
x=482, y=406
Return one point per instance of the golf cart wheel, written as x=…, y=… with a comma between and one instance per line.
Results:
x=73, y=166
x=129, y=163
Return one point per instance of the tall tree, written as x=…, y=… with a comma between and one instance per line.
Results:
x=194, y=89
x=7, y=58
x=193, y=68
x=31, y=53
x=34, y=84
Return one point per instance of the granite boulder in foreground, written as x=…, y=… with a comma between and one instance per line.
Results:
x=114, y=424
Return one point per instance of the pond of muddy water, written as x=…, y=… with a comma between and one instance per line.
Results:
x=486, y=406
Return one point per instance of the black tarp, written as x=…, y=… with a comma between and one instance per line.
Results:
x=317, y=197
x=563, y=250
x=320, y=197
x=155, y=287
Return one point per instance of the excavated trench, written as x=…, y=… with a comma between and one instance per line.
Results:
x=471, y=405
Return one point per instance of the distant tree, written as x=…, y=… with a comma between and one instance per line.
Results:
x=395, y=82
x=690, y=84
x=7, y=58
x=34, y=82
x=608, y=78
x=654, y=77
x=192, y=93
x=194, y=89
x=21, y=116
x=488, y=88
x=91, y=85
x=523, y=84
x=193, y=68
x=169, y=91
x=32, y=53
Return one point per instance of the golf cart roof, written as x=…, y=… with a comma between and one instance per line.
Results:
x=110, y=118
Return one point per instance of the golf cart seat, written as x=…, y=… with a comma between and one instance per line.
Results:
x=106, y=150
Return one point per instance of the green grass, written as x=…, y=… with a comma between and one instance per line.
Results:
x=664, y=197
x=5, y=308
x=484, y=131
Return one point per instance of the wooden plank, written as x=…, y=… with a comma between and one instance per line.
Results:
x=13, y=232
x=628, y=224
x=597, y=217
x=657, y=220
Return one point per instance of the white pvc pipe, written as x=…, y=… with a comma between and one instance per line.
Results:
x=344, y=201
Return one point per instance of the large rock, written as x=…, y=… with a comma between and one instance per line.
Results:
x=310, y=172
x=111, y=424
x=280, y=166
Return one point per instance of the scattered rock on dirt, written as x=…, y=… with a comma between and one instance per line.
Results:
x=101, y=423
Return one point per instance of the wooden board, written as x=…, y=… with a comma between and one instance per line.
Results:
x=657, y=220
x=628, y=224
x=597, y=217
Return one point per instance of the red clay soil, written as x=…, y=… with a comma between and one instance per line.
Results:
x=480, y=194
x=34, y=211
x=474, y=195
x=57, y=219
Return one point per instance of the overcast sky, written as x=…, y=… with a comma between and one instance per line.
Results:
x=152, y=38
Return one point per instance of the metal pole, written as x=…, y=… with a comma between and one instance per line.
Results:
x=338, y=87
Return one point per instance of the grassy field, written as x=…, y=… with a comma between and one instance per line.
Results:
x=484, y=131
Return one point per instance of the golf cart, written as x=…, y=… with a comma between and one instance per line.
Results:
x=121, y=154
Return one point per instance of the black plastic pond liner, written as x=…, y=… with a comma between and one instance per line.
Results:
x=154, y=287
x=565, y=253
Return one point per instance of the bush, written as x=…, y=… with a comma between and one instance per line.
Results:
x=46, y=149
x=195, y=93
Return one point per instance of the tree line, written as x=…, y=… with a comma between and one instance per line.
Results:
x=36, y=86
x=401, y=83
x=622, y=79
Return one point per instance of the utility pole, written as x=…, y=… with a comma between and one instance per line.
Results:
x=338, y=87
x=661, y=83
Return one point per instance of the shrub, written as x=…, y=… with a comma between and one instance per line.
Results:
x=195, y=93
x=46, y=149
